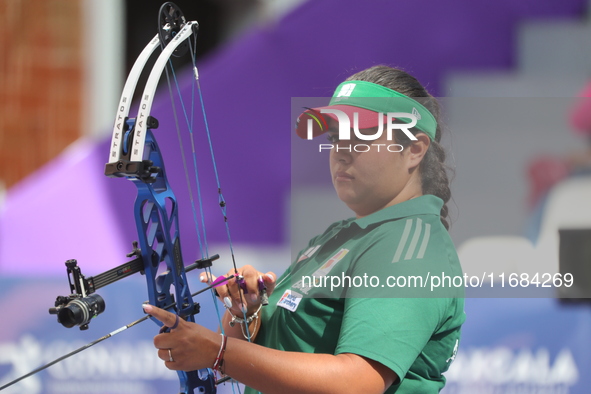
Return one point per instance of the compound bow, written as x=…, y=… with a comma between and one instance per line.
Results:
x=134, y=154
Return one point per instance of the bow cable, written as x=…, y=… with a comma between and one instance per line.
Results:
x=203, y=245
x=221, y=200
x=203, y=248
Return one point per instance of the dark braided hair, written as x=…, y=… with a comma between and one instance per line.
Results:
x=434, y=178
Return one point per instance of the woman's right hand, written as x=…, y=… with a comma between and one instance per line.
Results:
x=248, y=298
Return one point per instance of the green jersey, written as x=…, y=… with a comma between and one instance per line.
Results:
x=373, y=287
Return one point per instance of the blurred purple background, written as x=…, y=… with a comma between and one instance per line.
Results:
x=69, y=208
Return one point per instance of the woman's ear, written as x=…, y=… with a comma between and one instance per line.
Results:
x=417, y=149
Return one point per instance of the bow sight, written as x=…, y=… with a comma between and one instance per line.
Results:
x=83, y=304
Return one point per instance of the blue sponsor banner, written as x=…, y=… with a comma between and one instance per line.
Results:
x=523, y=346
x=124, y=364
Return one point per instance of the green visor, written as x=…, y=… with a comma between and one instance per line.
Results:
x=364, y=103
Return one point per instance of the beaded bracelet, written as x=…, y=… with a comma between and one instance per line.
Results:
x=236, y=319
x=248, y=320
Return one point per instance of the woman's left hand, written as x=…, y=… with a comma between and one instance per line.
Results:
x=186, y=347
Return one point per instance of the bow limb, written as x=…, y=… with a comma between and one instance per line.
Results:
x=150, y=89
x=156, y=210
x=127, y=96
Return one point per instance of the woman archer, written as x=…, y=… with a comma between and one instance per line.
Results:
x=359, y=340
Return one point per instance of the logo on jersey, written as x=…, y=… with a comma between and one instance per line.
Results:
x=413, y=243
x=289, y=300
